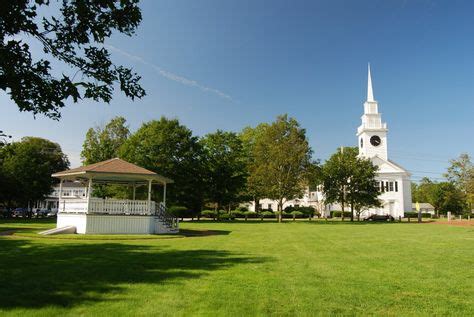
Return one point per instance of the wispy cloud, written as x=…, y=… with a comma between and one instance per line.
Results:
x=169, y=75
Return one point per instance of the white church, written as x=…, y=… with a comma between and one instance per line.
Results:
x=394, y=180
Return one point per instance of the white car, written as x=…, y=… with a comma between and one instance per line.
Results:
x=52, y=213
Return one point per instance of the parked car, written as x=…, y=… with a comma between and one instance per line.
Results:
x=40, y=212
x=52, y=213
x=379, y=218
x=20, y=212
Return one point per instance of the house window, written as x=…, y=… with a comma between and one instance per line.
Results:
x=269, y=207
x=390, y=186
x=386, y=186
x=396, y=186
x=381, y=187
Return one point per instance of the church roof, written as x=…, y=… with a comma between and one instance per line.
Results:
x=388, y=166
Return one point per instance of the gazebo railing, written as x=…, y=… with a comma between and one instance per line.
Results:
x=118, y=207
x=107, y=206
x=121, y=207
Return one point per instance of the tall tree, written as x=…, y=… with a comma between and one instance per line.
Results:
x=225, y=166
x=283, y=158
x=71, y=33
x=28, y=166
x=350, y=180
x=255, y=189
x=103, y=143
x=169, y=148
x=461, y=174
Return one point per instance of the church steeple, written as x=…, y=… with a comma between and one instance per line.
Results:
x=370, y=92
x=372, y=132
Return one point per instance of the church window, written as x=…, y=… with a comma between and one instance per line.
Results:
x=396, y=186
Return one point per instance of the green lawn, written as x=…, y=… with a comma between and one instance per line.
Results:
x=240, y=269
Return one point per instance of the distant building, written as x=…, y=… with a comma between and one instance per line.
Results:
x=70, y=190
x=424, y=208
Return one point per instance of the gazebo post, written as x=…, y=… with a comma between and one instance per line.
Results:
x=89, y=189
x=164, y=194
x=60, y=193
x=149, y=191
x=134, y=190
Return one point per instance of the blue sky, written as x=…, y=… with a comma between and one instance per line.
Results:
x=228, y=64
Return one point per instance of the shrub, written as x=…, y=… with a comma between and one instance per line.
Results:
x=237, y=213
x=226, y=216
x=208, y=214
x=307, y=211
x=338, y=214
x=414, y=214
x=297, y=214
x=267, y=214
x=289, y=209
x=242, y=208
x=179, y=211
x=250, y=214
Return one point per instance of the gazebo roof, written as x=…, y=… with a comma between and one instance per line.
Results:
x=113, y=170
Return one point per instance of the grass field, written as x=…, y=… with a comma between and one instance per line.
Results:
x=240, y=269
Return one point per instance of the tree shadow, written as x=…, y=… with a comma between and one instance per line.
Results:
x=203, y=233
x=34, y=275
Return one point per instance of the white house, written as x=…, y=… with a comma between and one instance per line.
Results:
x=393, y=180
x=82, y=213
x=69, y=189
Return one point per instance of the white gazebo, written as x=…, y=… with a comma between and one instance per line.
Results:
x=114, y=216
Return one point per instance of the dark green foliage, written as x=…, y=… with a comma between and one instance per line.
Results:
x=74, y=35
x=209, y=214
x=224, y=169
x=180, y=211
x=103, y=143
x=26, y=168
x=282, y=160
x=225, y=216
x=169, y=149
x=350, y=180
x=267, y=214
x=338, y=214
x=414, y=214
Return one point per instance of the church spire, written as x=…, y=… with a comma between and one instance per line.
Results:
x=370, y=92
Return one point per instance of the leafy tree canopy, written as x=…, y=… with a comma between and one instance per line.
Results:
x=103, y=143
x=282, y=160
x=26, y=169
x=74, y=36
x=225, y=165
x=169, y=149
x=349, y=179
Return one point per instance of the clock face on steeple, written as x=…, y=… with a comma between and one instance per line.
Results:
x=375, y=140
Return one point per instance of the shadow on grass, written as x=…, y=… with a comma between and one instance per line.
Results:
x=203, y=233
x=34, y=275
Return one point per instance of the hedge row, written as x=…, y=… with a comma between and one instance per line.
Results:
x=224, y=215
x=338, y=214
x=414, y=214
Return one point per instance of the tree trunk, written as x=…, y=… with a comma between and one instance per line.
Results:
x=280, y=210
x=352, y=212
x=342, y=212
x=257, y=204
